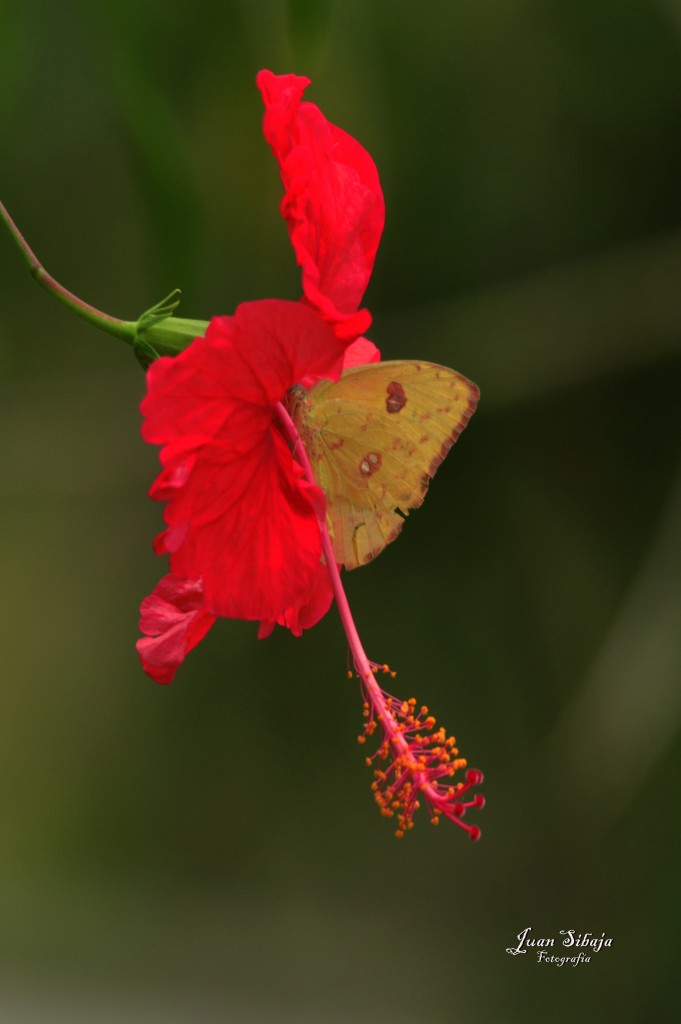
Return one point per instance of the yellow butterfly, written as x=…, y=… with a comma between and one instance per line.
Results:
x=375, y=439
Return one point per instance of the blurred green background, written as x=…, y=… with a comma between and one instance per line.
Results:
x=210, y=851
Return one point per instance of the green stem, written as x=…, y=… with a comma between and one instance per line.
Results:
x=122, y=329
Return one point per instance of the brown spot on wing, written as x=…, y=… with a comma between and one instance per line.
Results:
x=396, y=399
x=370, y=463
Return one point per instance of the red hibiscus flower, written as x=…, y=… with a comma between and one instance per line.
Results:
x=242, y=522
x=246, y=531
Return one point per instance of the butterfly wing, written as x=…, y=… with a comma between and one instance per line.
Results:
x=375, y=439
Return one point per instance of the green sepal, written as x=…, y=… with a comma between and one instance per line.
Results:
x=145, y=354
x=159, y=333
x=173, y=334
x=165, y=308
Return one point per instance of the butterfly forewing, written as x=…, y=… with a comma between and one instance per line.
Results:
x=375, y=438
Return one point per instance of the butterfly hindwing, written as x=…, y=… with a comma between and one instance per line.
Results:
x=375, y=438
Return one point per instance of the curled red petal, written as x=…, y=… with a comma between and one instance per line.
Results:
x=174, y=620
x=333, y=202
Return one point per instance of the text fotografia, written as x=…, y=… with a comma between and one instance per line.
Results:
x=582, y=944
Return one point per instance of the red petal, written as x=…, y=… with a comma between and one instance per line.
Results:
x=247, y=360
x=361, y=352
x=313, y=608
x=333, y=203
x=311, y=605
x=240, y=515
x=253, y=535
x=174, y=620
